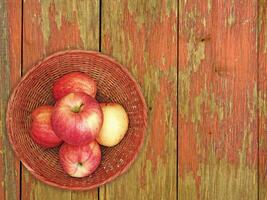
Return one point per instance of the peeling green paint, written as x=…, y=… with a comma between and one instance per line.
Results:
x=263, y=191
x=265, y=35
x=66, y=10
x=196, y=49
x=152, y=9
x=209, y=5
x=151, y=89
x=231, y=106
x=262, y=16
x=62, y=9
x=212, y=104
x=129, y=57
x=71, y=11
x=171, y=7
x=216, y=106
x=252, y=102
x=134, y=71
x=204, y=22
x=261, y=6
x=221, y=180
x=196, y=114
x=155, y=74
x=183, y=94
x=231, y=17
x=187, y=187
x=181, y=8
x=38, y=188
x=174, y=28
x=226, y=107
x=26, y=177
x=255, y=102
x=141, y=14
x=198, y=102
x=58, y=18
x=163, y=60
x=220, y=113
x=198, y=53
x=117, y=36
x=45, y=5
x=87, y=22
x=263, y=103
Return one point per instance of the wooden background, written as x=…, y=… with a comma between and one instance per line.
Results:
x=140, y=34
x=222, y=99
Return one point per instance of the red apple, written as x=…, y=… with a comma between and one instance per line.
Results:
x=77, y=118
x=80, y=161
x=41, y=129
x=74, y=82
x=115, y=124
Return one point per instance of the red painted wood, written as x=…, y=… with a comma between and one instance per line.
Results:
x=217, y=100
x=10, y=59
x=262, y=100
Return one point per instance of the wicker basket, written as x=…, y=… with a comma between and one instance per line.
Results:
x=114, y=84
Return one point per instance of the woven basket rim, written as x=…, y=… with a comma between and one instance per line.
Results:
x=28, y=73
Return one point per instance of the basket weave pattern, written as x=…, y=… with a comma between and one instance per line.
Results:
x=114, y=84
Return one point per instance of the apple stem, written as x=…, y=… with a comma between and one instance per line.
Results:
x=77, y=109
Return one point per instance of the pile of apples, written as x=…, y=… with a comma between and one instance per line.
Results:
x=78, y=123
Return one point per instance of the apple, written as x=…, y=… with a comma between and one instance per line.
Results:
x=80, y=161
x=74, y=82
x=77, y=118
x=41, y=128
x=115, y=124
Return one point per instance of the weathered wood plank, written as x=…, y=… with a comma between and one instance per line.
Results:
x=262, y=45
x=10, y=65
x=142, y=35
x=217, y=100
x=50, y=26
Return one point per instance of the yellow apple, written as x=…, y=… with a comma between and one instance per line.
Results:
x=115, y=124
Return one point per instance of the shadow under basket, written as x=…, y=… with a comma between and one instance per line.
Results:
x=114, y=84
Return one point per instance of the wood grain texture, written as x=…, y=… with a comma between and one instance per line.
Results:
x=142, y=35
x=50, y=26
x=10, y=65
x=217, y=100
x=262, y=45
